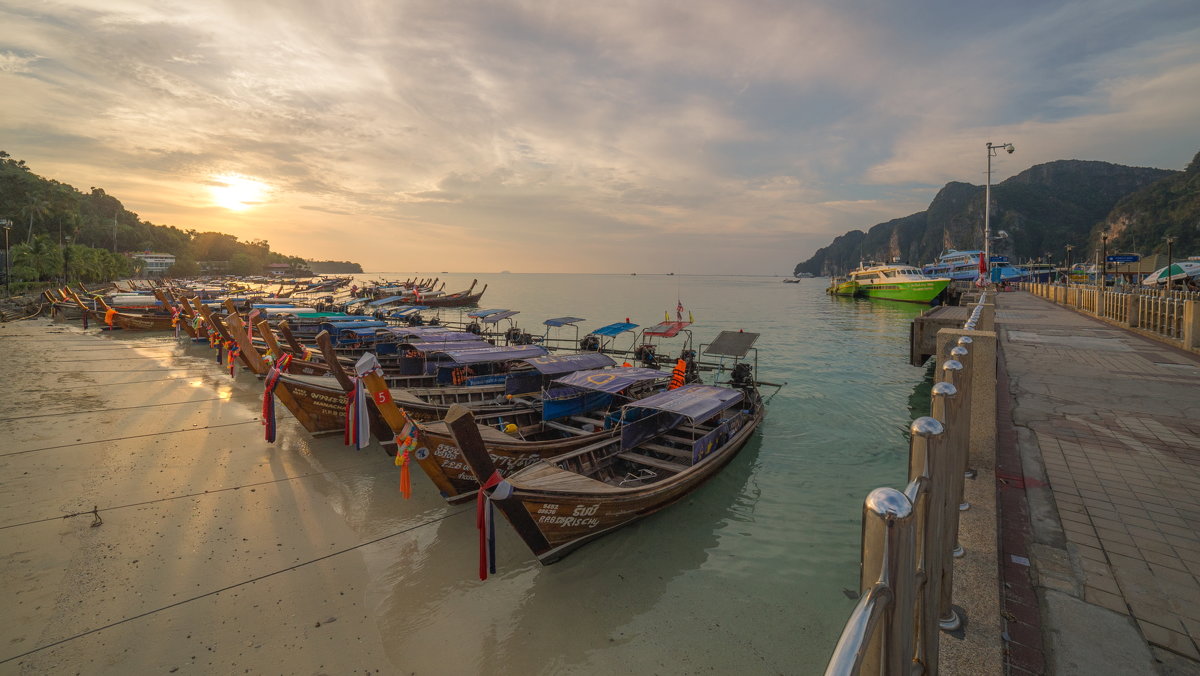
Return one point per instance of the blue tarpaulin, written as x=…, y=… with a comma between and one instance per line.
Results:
x=613, y=329
x=584, y=402
x=611, y=379
x=386, y=301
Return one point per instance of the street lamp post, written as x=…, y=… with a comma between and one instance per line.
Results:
x=1104, y=260
x=1170, y=242
x=987, y=205
x=1069, y=248
x=67, y=262
x=7, y=224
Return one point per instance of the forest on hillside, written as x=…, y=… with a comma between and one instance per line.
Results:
x=56, y=231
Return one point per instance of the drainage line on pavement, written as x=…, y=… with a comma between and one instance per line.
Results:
x=238, y=584
x=127, y=382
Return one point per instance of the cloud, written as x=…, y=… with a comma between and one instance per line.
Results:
x=737, y=137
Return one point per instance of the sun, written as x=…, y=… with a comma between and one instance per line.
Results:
x=237, y=193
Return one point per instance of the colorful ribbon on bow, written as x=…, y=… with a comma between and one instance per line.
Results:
x=485, y=521
x=406, y=443
x=268, y=410
x=358, y=428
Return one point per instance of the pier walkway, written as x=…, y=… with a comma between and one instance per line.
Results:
x=1098, y=467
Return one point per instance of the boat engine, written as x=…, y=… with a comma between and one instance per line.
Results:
x=742, y=376
x=475, y=328
x=645, y=353
x=590, y=344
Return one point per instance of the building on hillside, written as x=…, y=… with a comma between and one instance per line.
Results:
x=154, y=264
x=278, y=269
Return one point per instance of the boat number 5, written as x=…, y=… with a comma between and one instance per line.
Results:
x=383, y=396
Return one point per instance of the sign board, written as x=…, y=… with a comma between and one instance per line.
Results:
x=1123, y=258
x=998, y=259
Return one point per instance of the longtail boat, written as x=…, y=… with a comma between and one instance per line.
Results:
x=560, y=503
x=670, y=444
x=127, y=320
x=572, y=415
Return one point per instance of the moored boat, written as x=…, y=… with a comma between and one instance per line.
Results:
x=893, y=282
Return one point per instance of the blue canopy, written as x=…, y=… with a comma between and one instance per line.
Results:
x=485, y=313
x=407, y=310
x=611, y=379
x=563, y=321
x=505, y=314
x=463, y=357
x=431, y=346
x=566, y=363
x=695, y=401
x=356, y=301
x=386, y=301
x=613, y=329
x=432, y=334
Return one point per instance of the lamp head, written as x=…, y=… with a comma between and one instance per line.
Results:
x=1010, y=148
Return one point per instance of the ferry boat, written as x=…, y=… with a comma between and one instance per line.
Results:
x=964, y=266
x=890, y=282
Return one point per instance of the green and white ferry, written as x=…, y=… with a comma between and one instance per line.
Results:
x=891, y=282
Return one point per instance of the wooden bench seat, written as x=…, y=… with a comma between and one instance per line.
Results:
x=565, y=428
x=652, y=462
x=668, y=450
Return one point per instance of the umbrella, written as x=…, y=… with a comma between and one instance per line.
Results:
x=1180, y=270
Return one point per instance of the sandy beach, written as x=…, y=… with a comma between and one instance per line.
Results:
x=212, y=551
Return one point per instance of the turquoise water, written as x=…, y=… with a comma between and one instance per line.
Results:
x=745, y=576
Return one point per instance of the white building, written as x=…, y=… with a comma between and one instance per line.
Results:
x=156, y=264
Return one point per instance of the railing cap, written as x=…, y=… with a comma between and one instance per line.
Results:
x=927, y=426
x=888, y=502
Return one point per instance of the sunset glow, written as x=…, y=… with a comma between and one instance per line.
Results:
x=237, y=193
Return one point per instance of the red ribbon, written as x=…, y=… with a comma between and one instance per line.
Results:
x=481, y=505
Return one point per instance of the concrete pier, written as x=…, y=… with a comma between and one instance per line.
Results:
x=1098, y=475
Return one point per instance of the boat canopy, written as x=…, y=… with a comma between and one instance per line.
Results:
x=555, y=364
x=427, y=347
x=667, y=329
x=357, y=301
x=505, y=314
x=337, y=326
x=432, y=334
x=695, y=401
x=611, y=380
x=563, y=321
x=484, y=313
x=385, y=301
x=407, y=310
x=613, y=329
x=732, y=344
x=465, y=357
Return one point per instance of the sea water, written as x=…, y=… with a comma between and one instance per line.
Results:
x=755, y=572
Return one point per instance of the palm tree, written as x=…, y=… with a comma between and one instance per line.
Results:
x=35, y=207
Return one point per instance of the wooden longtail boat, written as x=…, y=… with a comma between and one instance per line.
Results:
x=514, y=438
x=126, y=320
x=561, y=503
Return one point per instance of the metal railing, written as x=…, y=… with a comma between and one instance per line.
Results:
x=910, y=538
x=1173, y=315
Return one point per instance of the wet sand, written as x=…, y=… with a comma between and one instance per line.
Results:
x=217, y=552
x=221, y=553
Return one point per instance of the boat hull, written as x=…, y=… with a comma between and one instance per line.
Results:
x=555, y=523
x=909, y=292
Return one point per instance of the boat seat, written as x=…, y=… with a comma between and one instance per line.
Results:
x=678, y=439
x=652, y=462
x=565, y=428
x=588, y=421
x=668, y=450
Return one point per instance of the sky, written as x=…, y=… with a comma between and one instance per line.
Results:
x=706, y=136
